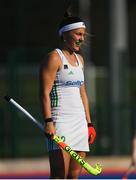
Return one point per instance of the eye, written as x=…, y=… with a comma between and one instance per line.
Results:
x=80, y=34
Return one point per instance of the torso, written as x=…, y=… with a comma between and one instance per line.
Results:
x=65, y=94
x=66, y=105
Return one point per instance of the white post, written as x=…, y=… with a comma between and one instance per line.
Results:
x=118, y=62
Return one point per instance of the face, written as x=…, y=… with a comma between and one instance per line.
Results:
x=73, y=39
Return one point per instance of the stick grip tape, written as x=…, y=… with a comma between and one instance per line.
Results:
x=7, y=98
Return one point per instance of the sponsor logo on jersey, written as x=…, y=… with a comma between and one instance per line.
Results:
x=63, y=138
x=74, y=83
x=65, y=66
x=70, y=73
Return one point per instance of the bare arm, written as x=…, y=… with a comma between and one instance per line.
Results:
x=85, y=103
x=48, y=71
x=84, y=97
x=91, y=129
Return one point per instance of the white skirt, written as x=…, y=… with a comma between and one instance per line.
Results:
x=74, y=133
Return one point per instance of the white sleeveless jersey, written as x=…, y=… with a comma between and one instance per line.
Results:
x=65, y=94
x=67, y=108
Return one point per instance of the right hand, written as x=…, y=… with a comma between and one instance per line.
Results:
x=91, y=133
x=49, y=128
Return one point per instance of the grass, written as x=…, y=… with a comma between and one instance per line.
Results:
x=20, y=138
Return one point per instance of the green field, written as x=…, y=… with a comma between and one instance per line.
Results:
x=20, y=138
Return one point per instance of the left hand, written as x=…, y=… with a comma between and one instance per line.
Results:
x=91, y=133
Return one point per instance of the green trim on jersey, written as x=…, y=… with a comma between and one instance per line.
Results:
x=54, y=95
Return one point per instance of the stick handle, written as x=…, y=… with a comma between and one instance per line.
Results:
x=10, y=100
x=92, y=170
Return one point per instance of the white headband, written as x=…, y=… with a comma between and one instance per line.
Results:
x=71, y=27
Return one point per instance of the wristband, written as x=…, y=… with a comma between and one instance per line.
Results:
x=48, y=120
x=90, y=124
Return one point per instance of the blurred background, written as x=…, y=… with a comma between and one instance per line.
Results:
x=28, y=31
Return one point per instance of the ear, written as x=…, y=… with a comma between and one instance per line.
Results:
x=64, y=36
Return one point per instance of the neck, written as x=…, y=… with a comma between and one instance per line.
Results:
x=68, y=50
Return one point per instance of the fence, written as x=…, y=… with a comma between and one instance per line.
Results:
x=19, y=138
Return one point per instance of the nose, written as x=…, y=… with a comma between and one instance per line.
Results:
x=82, y=38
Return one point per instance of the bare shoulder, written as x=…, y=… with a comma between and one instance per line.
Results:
x=81, y=58
x=51, y=59
x=53, y=55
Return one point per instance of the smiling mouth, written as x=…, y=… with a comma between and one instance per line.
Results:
x=78, y=43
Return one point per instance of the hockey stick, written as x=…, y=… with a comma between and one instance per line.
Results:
x=92, y=170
